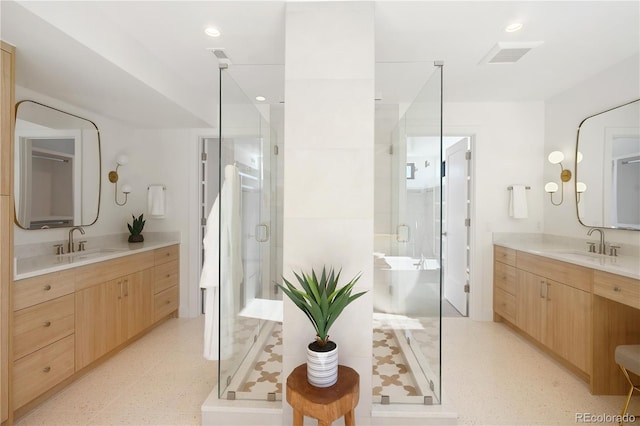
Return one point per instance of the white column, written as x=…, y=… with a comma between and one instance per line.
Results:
x=328, y=173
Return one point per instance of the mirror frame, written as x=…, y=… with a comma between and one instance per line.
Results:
x=15, y=214
x=575, y=168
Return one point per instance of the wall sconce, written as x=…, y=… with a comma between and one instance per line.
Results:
x=580, y=188
x=113, y=178
x=556, y=157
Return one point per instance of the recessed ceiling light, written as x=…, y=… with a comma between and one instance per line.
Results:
x=513, y=27
x=212, y=32
x=260, y=98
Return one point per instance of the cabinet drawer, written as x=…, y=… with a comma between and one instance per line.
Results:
x=40, y=371
x=504, y=277
x=504, y=255
x=165, y=302
x=572, y=275
x=97, y=273
x=165, y=276
x=38, y=326
x=166, y=254
x=617, y=288
x=31, y=291
x=504, y=304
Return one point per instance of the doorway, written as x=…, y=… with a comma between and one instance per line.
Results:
x=456, y=230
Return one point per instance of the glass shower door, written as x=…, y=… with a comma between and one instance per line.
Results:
x=249, y=317
x=407, y=296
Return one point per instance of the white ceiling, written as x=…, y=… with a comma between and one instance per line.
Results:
x=146, y=63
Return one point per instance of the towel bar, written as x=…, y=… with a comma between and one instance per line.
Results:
x=510, y=188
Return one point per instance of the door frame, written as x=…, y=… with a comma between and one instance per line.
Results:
x=474, y=303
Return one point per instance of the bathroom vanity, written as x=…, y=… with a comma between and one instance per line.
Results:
x=72, y=312
x=575, y=306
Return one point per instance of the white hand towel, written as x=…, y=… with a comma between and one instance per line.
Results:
x=155, y=201
x=518, y=202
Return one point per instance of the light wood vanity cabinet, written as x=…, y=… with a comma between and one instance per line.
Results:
x=7, y=100
x=110, y=313
x=552, y=303
x=504, y=283
x=43, y=334
x=40, y=371
x=616, y=287
x=65, y=321
x=38, y=326
x=166, y=277
x=555, y=313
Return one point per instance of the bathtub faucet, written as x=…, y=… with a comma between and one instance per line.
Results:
x=420, y=264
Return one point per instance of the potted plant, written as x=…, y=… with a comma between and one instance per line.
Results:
x=322, y=302
x=136, y=229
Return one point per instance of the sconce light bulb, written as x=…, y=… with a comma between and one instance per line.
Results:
x=126, y=188
x=581, y=187
x=122, y=160
x=556, y=157
x=551, y=187
x=579, y=157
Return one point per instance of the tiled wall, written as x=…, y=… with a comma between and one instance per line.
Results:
x=328, y=172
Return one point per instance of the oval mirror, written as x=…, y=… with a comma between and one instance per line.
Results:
x=57, y=168
x=608, y=168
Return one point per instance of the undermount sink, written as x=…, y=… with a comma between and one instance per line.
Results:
x=582, y=255
x=91, y=253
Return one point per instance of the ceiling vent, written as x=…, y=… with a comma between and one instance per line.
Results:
x=508, y=52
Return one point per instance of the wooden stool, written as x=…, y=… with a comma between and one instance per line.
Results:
x=324, y=404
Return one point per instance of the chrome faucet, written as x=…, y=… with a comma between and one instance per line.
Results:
x=70, y=246
x=601, y=247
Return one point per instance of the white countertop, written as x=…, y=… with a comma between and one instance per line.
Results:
x=27, y=267
x=554, y=248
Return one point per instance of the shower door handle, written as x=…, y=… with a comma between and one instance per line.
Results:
x=262, y=233
x=403, y=237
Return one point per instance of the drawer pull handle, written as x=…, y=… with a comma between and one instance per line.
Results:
x=46, y=369
x=617, y=289
x=47, y=287
x=168, y=302
x=47, y=324
x=168, y=254
x=168, y=275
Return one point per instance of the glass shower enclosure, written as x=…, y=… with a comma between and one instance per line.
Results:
x=408, y=255
x=250, y=358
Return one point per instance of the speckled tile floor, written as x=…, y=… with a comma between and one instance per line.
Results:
x=490, y=374
x=161, y=379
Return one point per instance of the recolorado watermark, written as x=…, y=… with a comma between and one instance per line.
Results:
x=604, y=418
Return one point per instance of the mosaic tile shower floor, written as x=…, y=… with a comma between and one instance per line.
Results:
x=392, y=375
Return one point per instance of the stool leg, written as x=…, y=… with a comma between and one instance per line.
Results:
x=298, y=418
x=350, y=419
x=626, y=404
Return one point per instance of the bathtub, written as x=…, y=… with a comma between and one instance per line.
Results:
x=405, y=285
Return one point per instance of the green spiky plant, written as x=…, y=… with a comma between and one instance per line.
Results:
x=320, y=299
x=136, y=228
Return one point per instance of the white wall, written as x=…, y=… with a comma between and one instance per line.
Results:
x=507, y=146
x=329, y=160
x=563, y=113
x=171, y=158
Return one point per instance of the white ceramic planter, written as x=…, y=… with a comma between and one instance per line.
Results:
x=322, y=367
